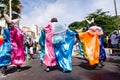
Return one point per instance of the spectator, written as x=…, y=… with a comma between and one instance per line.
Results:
x=31, y=48
x=5, y=50
x=114, y=39
x=16, y=40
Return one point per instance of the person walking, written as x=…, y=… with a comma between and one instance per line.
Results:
x=16, y=40
x=5, y=50
x=31, y=48
x=59, y=42
x=94, y=52
x=49, y=56
x=114, y=41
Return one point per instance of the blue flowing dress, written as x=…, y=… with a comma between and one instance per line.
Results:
x=63, y=50
x=102, y=50
x=42, y=44
x=5, y=49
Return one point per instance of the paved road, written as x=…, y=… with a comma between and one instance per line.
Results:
x=32, y=70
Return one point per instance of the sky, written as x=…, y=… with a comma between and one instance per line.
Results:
x=39, y=12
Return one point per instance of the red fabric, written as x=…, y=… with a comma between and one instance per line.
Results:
x=1, y=40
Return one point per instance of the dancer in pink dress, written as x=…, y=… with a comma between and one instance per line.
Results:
x=49, y=57
x=16, y=40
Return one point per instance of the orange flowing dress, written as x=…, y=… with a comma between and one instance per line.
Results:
x=91, y=43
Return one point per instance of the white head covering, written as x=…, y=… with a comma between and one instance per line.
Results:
x=89, y=22
x=7, y=18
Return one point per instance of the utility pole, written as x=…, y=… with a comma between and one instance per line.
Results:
x=10, y=9
x=116, y=17
x=115, y=7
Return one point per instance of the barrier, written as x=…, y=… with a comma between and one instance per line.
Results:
x=112, y=51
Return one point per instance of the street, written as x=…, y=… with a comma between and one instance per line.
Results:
x=32, y=70
x=57, y=28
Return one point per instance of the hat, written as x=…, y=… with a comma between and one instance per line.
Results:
x=115, y=31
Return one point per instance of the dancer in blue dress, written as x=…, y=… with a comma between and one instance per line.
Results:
x=5, y=51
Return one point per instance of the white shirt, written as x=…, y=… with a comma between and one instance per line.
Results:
x=113, y=38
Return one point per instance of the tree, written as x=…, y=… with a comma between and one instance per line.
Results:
x=102, y=19
x=98, y=13
x=77, y=25
x=15, y=4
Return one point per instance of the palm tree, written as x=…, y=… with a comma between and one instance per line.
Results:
x=15, y=5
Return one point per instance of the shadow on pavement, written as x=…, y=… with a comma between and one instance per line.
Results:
x=55, y=68
x=13, y=69
x=83, y=63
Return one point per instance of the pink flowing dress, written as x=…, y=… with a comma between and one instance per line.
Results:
x=17, y=51
x=49, y=57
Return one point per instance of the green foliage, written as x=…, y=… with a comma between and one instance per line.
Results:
x=16, y=6
x=77, y=25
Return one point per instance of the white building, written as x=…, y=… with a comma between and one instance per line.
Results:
x=35, y=29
